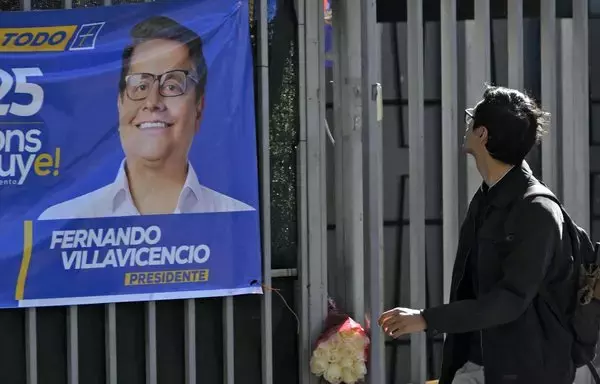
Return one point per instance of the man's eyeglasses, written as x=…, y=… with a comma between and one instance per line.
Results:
x=170, y=84
x=469, y=116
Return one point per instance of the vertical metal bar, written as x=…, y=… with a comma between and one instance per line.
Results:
x=31, y=348
x=265, y=190
x=190, y=341
x=482, y=37
x=111, y=342
x=337, y=284
x=575, y=123
x=450, y=145
x=349, y=174
x=304, y=342
x=515, y=43
x=416, y=159
x=72, y=345
x=304, y=337
x=26, y=5
x=111, y=319
x=479, y=69
x=228, y=341
x=568, y=115
x=151, y=368
x=312, y=130
x=373, y=151
x=581, y=113
x=549, y=89
x=72, y=315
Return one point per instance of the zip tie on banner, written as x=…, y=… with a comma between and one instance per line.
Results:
x=271, y=289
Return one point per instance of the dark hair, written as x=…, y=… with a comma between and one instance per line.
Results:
x=514, y=122
x=161, y=27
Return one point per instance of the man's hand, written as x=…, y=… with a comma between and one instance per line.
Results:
x=400, y=321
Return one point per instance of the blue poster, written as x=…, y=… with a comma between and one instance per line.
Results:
x=128, y=164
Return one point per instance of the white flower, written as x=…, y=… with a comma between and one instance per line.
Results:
x=348, y=376
x=333, y=374
x=359, y=355
x=334, y=355
x=360, y=369
x=321, y=353
x=318, y=366
x=347, y=362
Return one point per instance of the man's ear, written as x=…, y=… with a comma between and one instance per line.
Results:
x=483, y=134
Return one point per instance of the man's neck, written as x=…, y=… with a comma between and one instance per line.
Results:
x=492, y=170
x=155, y=187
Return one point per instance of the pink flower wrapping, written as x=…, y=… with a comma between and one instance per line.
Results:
x=341, y=352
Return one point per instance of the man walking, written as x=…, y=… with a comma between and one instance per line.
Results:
x=499, y=329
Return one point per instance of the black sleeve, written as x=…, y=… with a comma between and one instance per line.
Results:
x=523, y=272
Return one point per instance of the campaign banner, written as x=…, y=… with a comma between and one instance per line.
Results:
x=128, y=164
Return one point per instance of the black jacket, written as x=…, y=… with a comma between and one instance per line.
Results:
x=522, y=341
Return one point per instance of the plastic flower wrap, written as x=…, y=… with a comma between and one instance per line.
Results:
x=341, y=351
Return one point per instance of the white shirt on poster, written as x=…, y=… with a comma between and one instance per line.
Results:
x=115, y=200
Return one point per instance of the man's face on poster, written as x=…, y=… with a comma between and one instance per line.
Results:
x=159, y=111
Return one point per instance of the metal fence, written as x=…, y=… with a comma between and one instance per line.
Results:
x=245, y=339
x=436, y=57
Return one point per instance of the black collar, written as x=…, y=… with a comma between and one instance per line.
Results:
x=510, y=187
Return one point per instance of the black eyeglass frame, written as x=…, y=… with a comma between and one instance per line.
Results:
x=469, y=115
x=187, y=75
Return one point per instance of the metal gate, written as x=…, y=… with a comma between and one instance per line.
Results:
x=243, y=339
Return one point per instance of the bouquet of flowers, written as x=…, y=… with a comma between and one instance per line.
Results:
x=341, y=351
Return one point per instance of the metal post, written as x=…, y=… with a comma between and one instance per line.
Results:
x=478, y=64
x=312, y=287
x=482, y=39
x=72, y=346
x=450, y=145
x=373, y=153
x=515, y=43
x=416, y=158
x=190, y=341
x=549, y=88
x=31, y=348
x=311, y=179
x=72, y=315
x=228, y=341
x=336, y=283
x=265, y=189
x=304, y=347
x=581, y=114
x=111, y=343
x=350, y=256
x=569, y=131
x=151, y=368
x=30, y=314
x=575, y=92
